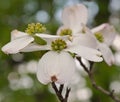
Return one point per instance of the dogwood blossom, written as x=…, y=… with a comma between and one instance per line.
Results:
x=74, y=19
x=58, y=65
x=83, y=51
x=20, y=40
x=105, y=35
x=59, y=48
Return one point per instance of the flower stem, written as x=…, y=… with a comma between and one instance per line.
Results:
x=59, y=92
x=94, y=84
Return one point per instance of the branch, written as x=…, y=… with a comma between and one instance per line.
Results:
x=59, y=92
x=99, y=88
x=60, y=97
x=91, y=65
x=80, y=61
x=67, y=94
x=61, y=88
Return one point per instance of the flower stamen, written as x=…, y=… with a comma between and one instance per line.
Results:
x=66, y=32
x=58, y=45
x=35, y=28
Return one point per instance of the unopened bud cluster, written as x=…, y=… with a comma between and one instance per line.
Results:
x=66, y=32
x=35, y=28
x=58, y=45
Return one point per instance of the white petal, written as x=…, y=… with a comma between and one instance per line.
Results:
x=85, y=52
x=61, y=65
x=50, y=38
x=35, y=47
x=17, y=34
x=47, y=35
x=107, y=54
x=116, y=43
x=107, y=31
x=98, y=28
x=16, y=45
x=74, y=16
x=86, y=40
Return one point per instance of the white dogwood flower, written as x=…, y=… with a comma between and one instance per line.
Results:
x=82, y=51
x=21, y=40
x=105, y=35
x=74, y=19
x=58, y=65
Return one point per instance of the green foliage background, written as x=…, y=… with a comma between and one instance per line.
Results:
x=14, y=15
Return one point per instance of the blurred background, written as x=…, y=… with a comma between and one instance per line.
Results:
x=18, y=82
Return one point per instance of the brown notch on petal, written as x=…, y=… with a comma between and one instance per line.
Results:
x=53, y=78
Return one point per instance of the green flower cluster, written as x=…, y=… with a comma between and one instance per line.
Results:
x=66, y=32
x=35, y=28
x=58, y=45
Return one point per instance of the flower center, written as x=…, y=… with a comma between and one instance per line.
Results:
x=58, y=45
x=99, y=37
x=35, y=28
x=66, y=32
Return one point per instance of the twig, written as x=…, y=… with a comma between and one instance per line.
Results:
x=59, y=92
x=91, y=65
x=90, y=74
x=60, y=97
x=67, y=94
x=61, y=88
x=85, y=68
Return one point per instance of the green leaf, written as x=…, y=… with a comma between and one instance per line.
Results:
x=39, y=40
